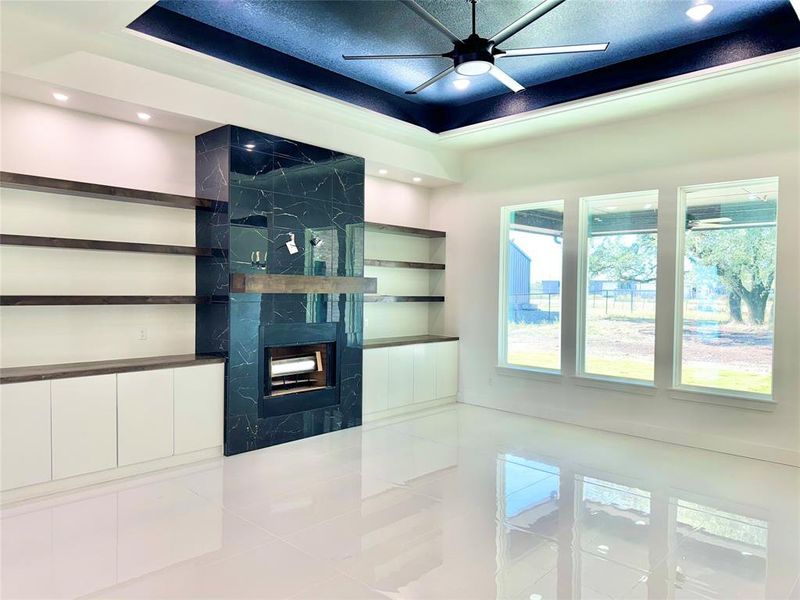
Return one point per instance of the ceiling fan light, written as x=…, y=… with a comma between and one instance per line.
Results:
x=473, y=67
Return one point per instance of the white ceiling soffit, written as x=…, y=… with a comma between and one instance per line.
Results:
x=41, y=91
x=753, y=76
x=84, y=45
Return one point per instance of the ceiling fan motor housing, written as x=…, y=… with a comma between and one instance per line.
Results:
x=474, y=49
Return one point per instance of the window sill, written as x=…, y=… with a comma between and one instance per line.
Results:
x=530, y=373
x=762, y=404
x=626, y=386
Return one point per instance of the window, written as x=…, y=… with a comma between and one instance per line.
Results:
x=617, y=336
x=530, y=298
x=727, y=291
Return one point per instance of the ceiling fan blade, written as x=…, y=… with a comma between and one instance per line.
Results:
x=505, y=79
x=529, y=17
x=554, y=50
x=432, y=80
x=388, y=56
x=431, y=19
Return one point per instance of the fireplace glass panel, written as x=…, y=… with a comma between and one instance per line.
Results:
x=298, y=369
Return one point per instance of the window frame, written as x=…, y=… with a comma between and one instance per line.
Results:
x=582, y=291
x=502, y=323
x=683, y=391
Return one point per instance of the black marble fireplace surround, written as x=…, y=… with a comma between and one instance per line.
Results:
x=265, y=188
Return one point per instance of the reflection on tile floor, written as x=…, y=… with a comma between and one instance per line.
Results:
x=461, y=503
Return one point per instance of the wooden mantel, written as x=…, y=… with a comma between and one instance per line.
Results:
x=301, y=284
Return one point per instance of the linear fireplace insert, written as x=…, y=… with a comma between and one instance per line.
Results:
x=298, y=368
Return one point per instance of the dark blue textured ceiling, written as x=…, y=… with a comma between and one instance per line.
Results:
x=302, y=41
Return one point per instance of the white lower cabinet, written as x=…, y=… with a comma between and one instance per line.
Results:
x=24, y=434
x=376, y=375
x=446, y=359
x=401, y=376
x=84, y=420
x=56, y=429
x=424, y=372
x=146, y=413
x=199, y=407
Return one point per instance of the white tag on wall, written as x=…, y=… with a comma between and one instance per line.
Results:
x=291, y=246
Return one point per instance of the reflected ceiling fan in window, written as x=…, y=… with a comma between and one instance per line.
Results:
x=476, y=55
x=712, y=223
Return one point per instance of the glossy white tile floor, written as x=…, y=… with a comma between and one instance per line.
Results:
x=462, y=503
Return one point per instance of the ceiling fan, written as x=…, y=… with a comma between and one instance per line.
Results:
x=476, y=55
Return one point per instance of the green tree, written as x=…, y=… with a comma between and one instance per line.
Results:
x=632, y=257
x=744, y=260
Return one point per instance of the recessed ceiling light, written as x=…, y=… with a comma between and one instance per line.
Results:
x=250, y=146
x=461, y=84
x=417, y=179
x=698, y=12
x=383, y=172
x=60, y=97
x=143, y=116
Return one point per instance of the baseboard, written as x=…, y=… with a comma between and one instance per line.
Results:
x=402, y=411
x=661, y=434
x=80, y=482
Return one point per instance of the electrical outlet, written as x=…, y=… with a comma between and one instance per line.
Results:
x=142, y=333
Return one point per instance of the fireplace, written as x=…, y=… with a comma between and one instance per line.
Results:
x=286, y=318
x=298, y=367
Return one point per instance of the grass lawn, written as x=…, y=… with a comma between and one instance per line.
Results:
x=728, y=379
x=722, y=378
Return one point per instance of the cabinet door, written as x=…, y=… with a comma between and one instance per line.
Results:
x=145, y=404
x=24, y=433
x=401, y=376
x=424, y=373
x=199, y=407
x=446, y=369
x=84, y=425
x=376, y=380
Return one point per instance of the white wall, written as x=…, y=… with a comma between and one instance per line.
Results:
x=396, y=203
x=39, y=139
x=746, y=137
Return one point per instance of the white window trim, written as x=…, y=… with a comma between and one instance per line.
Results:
x=710, y=395
x=532, y=373
x=616, y=384
x=759, y=402
x=583, y=282
x=502, y=329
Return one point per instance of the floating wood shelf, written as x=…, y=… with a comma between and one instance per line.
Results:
x=390, y=299
x=99, y=300
x=402, y=264
x=401, y=230
x=36, y=183
x=301, y=284
x=407, y=340
x=103, y=367
x=56, y=242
